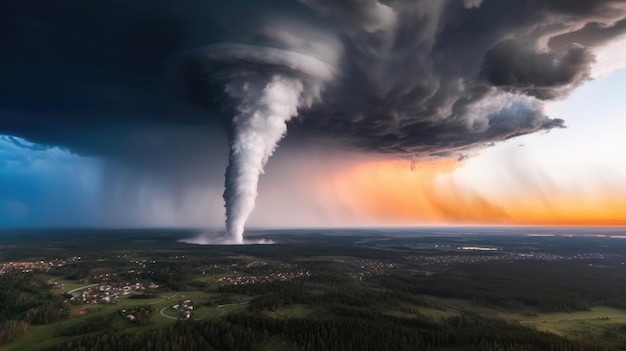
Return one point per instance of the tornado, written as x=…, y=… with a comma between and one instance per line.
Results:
x=267, y=87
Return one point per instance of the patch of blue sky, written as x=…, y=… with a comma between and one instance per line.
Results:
x=46, y=186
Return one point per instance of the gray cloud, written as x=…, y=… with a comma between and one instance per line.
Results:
x=513, y=66
x=472, y=3
x=124, y=79
x=368, y=15
x=592, y=34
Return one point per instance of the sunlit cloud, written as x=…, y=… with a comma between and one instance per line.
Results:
x=435, y=192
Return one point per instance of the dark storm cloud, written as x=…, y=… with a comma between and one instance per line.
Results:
x=123, y=78
x=512, y=66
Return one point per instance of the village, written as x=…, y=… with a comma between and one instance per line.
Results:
x=107, y=294
x=30, y=266
x=256, y=279
x=368, y=268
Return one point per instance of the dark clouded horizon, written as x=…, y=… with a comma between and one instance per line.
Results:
x=156, y=86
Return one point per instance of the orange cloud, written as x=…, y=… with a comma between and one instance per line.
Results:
x=395, y=192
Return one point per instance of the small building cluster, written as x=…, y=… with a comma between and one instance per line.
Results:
x=368, y=268
x=439, y=260
x=108, y=293
x=139, y=314
x=29, y=266
x=256, y=279
x=184, y=309
x=56, y=286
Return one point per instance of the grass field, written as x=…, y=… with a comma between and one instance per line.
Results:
x=40, y=337
x=406, y=310
x=589, y=329
x=613, y=314
x=451, y=306
x=292, y=311
x=68, y=285
x=592, y=324
x=276, y=345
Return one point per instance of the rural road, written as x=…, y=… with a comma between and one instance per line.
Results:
x=166, y=316
x=220, y=307
x=71, y=292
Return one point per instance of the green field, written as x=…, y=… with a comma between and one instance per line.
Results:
x=68, y=285
x=40, y=337
x=592, y=324
x=292, y=311
x=614, y=315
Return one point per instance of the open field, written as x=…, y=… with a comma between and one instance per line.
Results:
x=69, y=285
x=597, y=323
x=600, y=312
x=292, y=311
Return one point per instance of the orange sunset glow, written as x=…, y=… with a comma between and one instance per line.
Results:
x=427, y=193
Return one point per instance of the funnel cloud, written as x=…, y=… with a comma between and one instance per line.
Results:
x=157, y=86
x=263, y=111
x=262, y=103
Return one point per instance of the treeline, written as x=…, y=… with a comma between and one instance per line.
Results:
x=139, y=315
x=98, y=323
x=545, y=286
x=25, y=299
x=363, y=329
x=11, y=330
x=52, y=308
x=18, y=293
x=309, y=291
x=360, y=331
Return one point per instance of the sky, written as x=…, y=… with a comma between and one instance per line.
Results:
x=312, y=113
